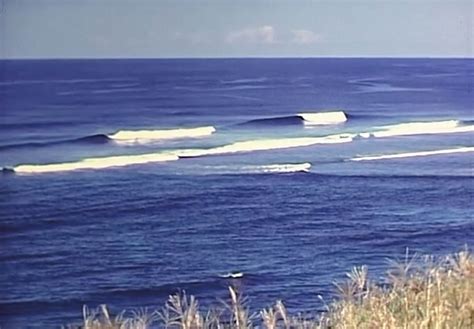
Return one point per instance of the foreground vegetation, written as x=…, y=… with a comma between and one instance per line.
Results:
x=419, y=292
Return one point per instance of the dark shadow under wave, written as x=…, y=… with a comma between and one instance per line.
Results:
x=467, y=122
x=365, y=116
x=279, y=121
x=93, y=139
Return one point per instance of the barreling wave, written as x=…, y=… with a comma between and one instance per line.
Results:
x=265, y=144
x=122, y=137
x=414, y=154
x=146, y=136
x=95, y=163
x=321, y=118
x=420, y=128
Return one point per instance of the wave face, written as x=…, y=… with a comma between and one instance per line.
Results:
x=323, y=118
x=276, y=121
x=95, y=163
x=414, y=154
x=266, y=144
x=93, y=139
x=421, y=128
x=147, y=136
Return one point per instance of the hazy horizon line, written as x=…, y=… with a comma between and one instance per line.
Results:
x=234, y=57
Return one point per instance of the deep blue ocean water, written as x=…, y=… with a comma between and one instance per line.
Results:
x=241, y=198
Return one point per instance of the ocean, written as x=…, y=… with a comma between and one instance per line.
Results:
x=125, y=181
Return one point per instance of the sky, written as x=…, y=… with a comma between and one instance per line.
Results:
x=238, y=28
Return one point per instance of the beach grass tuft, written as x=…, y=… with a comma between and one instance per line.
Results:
x=417, y=292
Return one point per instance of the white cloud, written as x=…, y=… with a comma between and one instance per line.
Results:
x=262, y=34
x=305, y=37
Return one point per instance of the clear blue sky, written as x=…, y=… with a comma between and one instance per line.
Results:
x=238, y=28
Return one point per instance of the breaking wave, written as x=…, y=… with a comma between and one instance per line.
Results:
x=146, y=136
x=420, y=128
x=123, y=137
x=414, y=154
x=246, y=146
x=95, y=163
x=265, y=144
x=321, y=118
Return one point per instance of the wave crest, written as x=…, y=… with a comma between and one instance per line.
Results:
x=95, y=163
x=323, y=118
x=146, y=136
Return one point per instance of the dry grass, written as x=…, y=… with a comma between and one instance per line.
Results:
x=420, y=292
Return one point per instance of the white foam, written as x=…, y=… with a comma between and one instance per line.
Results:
x=96, y=163
x=323, y=118
x=422, y=128
x=235, y=275
x=414, y=154
x=146, y=136
x=285, y=168
x=365, y=135
x=266, y=144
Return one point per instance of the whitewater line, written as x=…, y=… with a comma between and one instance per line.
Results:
x=414, y=154
x=265, y=145
x=419, y=128
x=96, y=163
x=281, y=168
